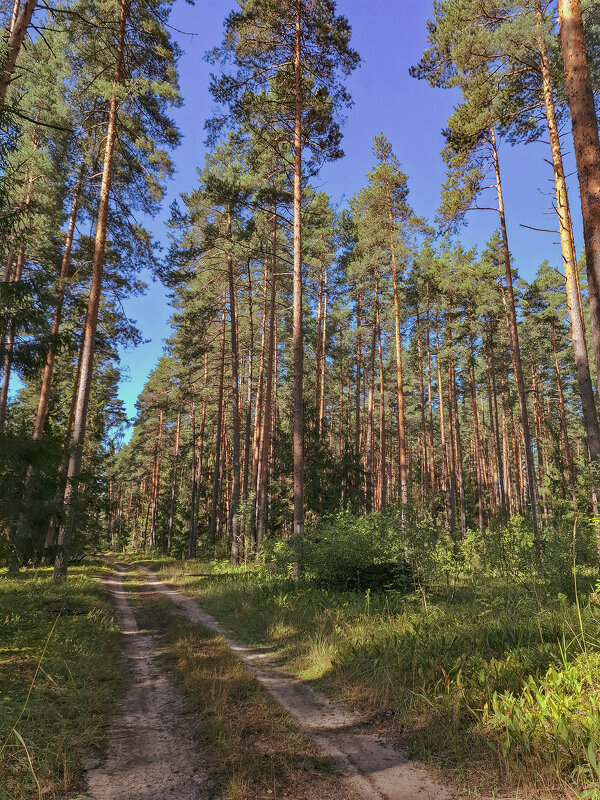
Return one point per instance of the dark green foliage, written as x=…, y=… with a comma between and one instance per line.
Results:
x=363, y=553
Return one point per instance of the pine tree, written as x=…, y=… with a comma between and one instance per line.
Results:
x=152, y=59
x=289, y=77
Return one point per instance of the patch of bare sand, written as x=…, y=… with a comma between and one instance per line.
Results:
x=371, y=768
x=152, y=753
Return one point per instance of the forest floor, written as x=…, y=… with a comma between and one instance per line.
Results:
x=120, y=683
x=294, y=743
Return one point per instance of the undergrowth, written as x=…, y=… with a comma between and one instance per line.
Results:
x=490, y=661
x=58, y=679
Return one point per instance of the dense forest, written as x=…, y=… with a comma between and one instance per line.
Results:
x=351, y=398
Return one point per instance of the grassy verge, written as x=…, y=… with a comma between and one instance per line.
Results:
x=495, y=681
x=252, y=747
x=58, y=679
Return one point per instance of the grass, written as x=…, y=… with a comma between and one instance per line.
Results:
x=483, y=676
x=252, y=747
x=59, y=675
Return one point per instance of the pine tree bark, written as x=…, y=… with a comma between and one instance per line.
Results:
x=318, y=341
x=236, y=539
x=448, y=484
x=420, y=369
x=297, y=337
x=432, y=476
x=192, y=528
x=156, y=481
x=214, y=506
x=402, y=459
x=563, y=418
x=249, y=384
x=174, y=483
x=91, y=318
x=357, y=388
x=267, y=413
x=574, y=305
x=323, y=331
x=382, y=499
x=451, y=454
x=370, y=440
x=459, y=465
x=494, y=396
x=580, y=96
x=21, y=20
x=477, y=439
x=258, y=426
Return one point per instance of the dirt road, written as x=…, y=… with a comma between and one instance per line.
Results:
x=143, y=764
x=152, y=753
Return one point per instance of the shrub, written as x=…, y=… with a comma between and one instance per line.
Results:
x=353, y=553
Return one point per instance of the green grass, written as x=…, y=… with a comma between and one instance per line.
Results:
x=59, y=675
x=251, y=747
x=463, y=667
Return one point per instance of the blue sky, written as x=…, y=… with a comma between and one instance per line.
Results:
x=390, y=37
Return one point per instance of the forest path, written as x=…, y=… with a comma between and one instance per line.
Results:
x=372, y=769
x=142, y=762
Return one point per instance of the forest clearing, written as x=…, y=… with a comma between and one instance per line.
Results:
x=299, y=414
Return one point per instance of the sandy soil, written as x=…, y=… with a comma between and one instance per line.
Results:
x=152, y=754
x=371, y=768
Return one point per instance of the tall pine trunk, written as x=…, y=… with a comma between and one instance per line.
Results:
x=156, y=481
x=21, y=19
x=236, y=539
x=91, y=317
x=370, y=439
x=174, y=483
x=357, y=397
x=574, y=305
x=580, y=96
x=402, y=459
x=268, y=404
x=297, y=338
x=516, y=357
x=214, y=506
x=448, y=484
x=382, y=476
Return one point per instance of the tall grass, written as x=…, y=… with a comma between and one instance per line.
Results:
x=58, y=678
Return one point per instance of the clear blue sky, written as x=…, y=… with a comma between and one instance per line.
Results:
x=390, y=37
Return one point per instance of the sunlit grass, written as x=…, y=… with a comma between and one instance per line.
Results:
x=438, y=663
x=58, y=678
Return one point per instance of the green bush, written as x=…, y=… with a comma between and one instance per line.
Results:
x=353, y=553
